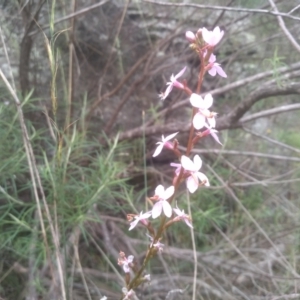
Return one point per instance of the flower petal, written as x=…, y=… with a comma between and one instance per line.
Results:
x=191, y=184
x=177, y=211
x=196, y=100
x=208, y=101
x=212, y=58
x=159, y=191
x=206, y=35
x=170, y=137
x=167, y=208
x=133, y=224
x=220, y=71
x=203, y=178
x=197, y=162
x=158, y=149
x=180, y=73
x=212, y=71
x=198, y=121
x=168, y=192
x=212, y=122
x=187, y=164
x=157, y=209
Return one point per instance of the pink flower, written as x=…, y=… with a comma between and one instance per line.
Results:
x=192, y=168
x=213, y=133
x=214, y=67
x=203, y=113
x=158, y=245
x=173, y=83
x=162, y=204
x=190, y=36
x=212, y=37
x=177, y=166
x=128, y=294
x=140, y=218
x=164, y=143
x=182, y=216
x=125, y=262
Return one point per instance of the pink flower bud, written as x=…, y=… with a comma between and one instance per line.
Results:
x=190, y=36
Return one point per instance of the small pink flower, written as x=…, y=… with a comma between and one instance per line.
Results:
x=213, y=133
x=177, y=166
x=182, y=216
x=203, y=113
x=212, y=37
x=214, y=67
x=125, y=262
x=128, y=294
x=162, y=204
x=190, y=36
x=173, y=83
x=192, y=168
x=158, y=245
x=140, y=218
x=164, y=143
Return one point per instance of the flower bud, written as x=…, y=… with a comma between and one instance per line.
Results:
x=199, y=33
x=190, y=36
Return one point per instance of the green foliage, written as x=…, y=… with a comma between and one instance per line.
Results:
x=81, y=179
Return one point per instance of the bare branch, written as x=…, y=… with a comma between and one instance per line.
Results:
x=270, y=112
x=226, y=8
x=235, y=115
x=284, y=28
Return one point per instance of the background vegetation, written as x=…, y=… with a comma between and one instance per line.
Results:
x=87, y=75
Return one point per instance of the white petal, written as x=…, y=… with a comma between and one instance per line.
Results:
x=130, y=258
x=212, y=71
x=169, y=137
x=133, y=224
x=158, y=149
x=187, y=164
x=156, y=210
x=213, y=133
x=188, y=223
x=208, y=101
x=177, y=211
x=203, y=178
x=198, y=121
x=168, y=192
x=206, y=35
x=180, y=73
x=217, y=35
x=159, y=191
x=126, y=268
x=168, y=90
x=167, y=208
x=212, y=122
x=191, y=184
x=197, y=162
x=196, y=100
x=212, y=58
x=146, y=215
x=221, y=72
